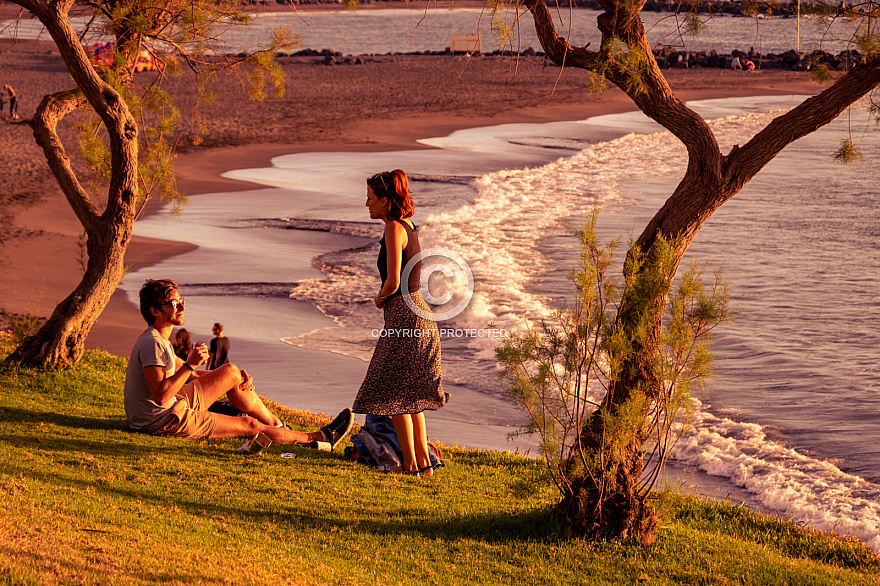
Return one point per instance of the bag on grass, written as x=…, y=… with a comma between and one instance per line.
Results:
x=377, y=445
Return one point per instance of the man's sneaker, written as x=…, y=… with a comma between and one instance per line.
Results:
x=338, y=428
x=321, y=446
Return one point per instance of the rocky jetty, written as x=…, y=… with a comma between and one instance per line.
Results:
x=790, y=60
x=667, y=58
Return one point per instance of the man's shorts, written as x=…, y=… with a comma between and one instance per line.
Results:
x=190, y=416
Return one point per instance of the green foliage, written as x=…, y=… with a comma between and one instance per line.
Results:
x=501, y=11
x=634, y=58
x=596, y=83
x=685, y=357
x=95, y=150
x=21, y=326
x=820, y=71
x=874, y=112
x=171, y=33
x=848, y=153
x=562, y=374
x=750, y=8
x=693, y=25
x=265, y=67
x=868, y=42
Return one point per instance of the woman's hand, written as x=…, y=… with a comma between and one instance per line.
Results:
x=379, y=301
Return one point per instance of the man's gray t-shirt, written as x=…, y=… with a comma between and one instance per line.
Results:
x=150, y=349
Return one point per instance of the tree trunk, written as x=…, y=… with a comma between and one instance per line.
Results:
x=60, y=342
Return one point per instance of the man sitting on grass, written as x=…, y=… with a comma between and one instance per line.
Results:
x=166, y=396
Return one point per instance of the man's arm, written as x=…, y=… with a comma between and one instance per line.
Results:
x=161, y=388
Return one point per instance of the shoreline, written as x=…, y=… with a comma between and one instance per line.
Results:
x=199, y=174
x=327, y=109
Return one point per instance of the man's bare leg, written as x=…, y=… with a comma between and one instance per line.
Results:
x=245, y=397
x=229, y=426
x=238, y=386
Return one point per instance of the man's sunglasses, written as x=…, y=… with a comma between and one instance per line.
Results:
x=176, y=303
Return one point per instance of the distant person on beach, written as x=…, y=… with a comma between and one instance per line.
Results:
x=166, y=396
x=182, y=344
x=2, y=103
x=735, y=64
x=13, y=102
x=404, y=376
x=218, y=354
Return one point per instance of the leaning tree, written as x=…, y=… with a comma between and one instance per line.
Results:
x=611, y=502
x=125, y=129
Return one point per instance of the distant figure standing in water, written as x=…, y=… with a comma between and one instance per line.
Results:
x=404, y=377
x=182, y=344
x=13, y=102
x=219, y=350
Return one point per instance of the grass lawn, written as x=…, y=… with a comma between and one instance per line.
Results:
x=83, y=501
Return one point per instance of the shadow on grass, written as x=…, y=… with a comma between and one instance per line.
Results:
x=62, y=419
x=504, y=526
x=39, y=562
x=527, y=525
x=111, y=438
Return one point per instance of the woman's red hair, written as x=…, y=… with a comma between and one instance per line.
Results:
x=394, y=185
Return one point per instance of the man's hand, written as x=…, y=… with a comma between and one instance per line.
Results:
x=247, y=382
x=198, y=355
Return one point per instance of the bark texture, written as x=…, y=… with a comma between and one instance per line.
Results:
x=60, y=341
x=614, y=506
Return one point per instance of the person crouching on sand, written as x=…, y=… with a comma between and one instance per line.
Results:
x=166, y=396
x=404, y=376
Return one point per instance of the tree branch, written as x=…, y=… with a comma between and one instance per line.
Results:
x=645, y=85
x=806, y=118
x=44, y=123
x=29, y=5
x=559, y=50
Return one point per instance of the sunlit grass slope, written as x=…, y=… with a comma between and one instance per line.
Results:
x=82, y=501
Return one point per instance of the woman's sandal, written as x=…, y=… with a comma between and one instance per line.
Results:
x=403, y=471
x=425, y=469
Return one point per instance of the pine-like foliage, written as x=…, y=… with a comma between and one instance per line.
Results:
x=562, y=372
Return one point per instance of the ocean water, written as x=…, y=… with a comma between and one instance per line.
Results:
x=789, y=424
x=371, y=31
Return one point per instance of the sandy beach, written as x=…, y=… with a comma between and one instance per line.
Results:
x=385, y=103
